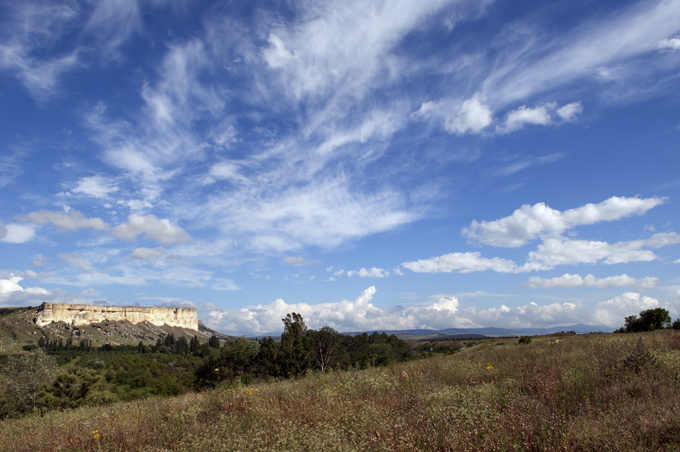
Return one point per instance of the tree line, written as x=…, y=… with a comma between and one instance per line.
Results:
x=300, y=350
x=649, y=320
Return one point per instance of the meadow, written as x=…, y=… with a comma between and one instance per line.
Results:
x=558, y=392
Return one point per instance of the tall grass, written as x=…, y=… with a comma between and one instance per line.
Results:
x=575, y=394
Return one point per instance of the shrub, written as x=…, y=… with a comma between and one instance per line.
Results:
x=25, y=375
x=524, y=340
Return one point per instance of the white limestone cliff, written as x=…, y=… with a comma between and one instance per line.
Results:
x=80, y=314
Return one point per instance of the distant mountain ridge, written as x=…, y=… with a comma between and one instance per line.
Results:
x=485, y=331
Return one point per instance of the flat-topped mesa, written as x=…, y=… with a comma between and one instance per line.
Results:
x=82, y=314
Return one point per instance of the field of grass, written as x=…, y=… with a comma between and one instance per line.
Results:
x=592, y=392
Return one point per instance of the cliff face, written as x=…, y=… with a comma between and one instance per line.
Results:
x=80, y=314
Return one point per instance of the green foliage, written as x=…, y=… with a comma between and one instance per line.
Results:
x=70, y=388
x=649, y=320
x=676, y=324
x=524, y=340
x=235, y=358
x=24, y=377
x=639, y=359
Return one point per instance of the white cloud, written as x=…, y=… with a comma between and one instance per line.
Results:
x=568, y=280
x=13, y=294
x=95, y=186
x=324, y=213
x=627, y=35
x=297, y=261
x=10, y=284
x=33, y=28
x=528, y=222
x=277, y=55
x=473, y=117
x=443, y=311
x=3, y=230
x=612, y=312
x=371, y=273
x=113, y=22
x=425, y=110
x=357, y=315
x=541, y=115
x=562, y=251
x=669, y=44
x=461, y=262
x=225, y=284
x=677, y=262
x=18, y=233
x=149, y=254
x=569, y=112
x=226, y=171
x=516, y=119
x=662, y=239
x=72, y=222
x=162, y=231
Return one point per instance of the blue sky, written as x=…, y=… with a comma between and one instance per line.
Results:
x=369, y=164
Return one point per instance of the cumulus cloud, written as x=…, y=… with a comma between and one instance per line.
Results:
x=161, y=231
x=568, y=280
x=18, y=233
x=472, y=117
x=347, y=315
x=516, y=119
x=562, y=251
x=569, y=112
x=74, y=221
x=528, y=222
x=612, y=312
x=13, y=294
x=460, y=262
x=669, y=44
x=540, y=115
x=371, y=273
x=442, y=311
x=95, y=186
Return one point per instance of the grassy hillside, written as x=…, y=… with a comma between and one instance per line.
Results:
x=594, y=392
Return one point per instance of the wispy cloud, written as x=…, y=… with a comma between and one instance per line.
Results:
x=568, y=280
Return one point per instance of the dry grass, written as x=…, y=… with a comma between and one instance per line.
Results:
x=571, y=395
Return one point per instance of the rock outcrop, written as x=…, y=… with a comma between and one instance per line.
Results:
x=80, y=314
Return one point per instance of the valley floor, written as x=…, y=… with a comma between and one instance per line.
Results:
x=591, y=392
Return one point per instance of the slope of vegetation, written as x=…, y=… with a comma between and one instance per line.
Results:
x=593, y=392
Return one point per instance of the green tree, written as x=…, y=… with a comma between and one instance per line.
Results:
x=24, y=376
x=649, y=320
x=70, y=388
x=676, y=324
x=214, y=342
x=296, y=347
x=236, y=357
x=325, y=343
x=194, y=345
